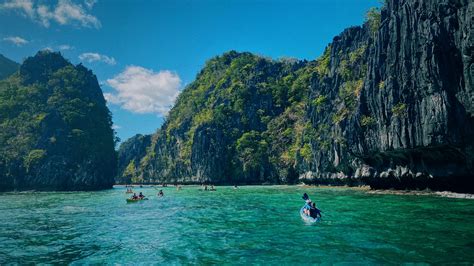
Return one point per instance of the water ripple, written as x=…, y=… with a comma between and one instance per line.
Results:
x=258, y=225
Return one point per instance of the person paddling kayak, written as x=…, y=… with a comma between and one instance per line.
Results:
x=309, y=211
x=307, y=206
x=314, y=212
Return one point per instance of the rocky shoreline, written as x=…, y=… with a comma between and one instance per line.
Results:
x=365, y=188
x=444, y=194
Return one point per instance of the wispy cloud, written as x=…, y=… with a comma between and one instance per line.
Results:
x=142, y=90
x=65, y=47
x=25, y=7
x=96, y=57
x=90, y=3
x=65, y=12
x=18, y=41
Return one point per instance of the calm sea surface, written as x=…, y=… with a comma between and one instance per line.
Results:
x=246, y=225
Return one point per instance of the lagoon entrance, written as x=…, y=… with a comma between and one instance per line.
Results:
x=251, y=224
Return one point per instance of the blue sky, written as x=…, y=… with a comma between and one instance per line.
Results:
x=145, y=52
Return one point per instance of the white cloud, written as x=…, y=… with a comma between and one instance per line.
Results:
x=112, y=98
x=90, y=3
x=96, y=57
x=115, y=127
x=25, y=7
x=142, y=90
x=18, y=41
x=65, y=47
x=65, y=12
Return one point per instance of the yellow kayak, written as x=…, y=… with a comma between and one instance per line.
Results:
x=135, y=200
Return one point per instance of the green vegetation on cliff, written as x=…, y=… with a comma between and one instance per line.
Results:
x=55, y=129
x=129, y=155
x=245, y=119
x=248, y=111
x=378, y=107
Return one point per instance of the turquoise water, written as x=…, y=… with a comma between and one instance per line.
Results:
x=248, y=225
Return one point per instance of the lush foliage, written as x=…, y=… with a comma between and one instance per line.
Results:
x=255, y=105
x=373, y=18
x=53, y=126
x=252, y=151
x=399, y=109
x=251, y=119
x=367, y=121
x=129, y=154
x=381, y=85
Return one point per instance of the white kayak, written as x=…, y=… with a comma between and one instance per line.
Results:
x=307, y=218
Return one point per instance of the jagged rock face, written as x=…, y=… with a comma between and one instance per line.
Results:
x=413, y=127
x=207, y=143
x=464, y=39
x=233, y=95
x=162, y=162
x=418, y=57
x=133, y=149
x=388, y=104
x=55, y=129
x=337, y=94
x=424, y=113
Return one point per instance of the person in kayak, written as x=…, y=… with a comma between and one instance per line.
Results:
x=160, y=193
x=307, y=209
x=314, y=212
x=134, y=197
x=307, y=206
x=141, y=196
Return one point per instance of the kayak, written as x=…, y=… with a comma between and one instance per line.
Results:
x=135, y=200
x=307, y=218
x=129, y=192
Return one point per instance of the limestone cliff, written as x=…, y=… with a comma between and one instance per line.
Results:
x=55, y=129
x=389, y=104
